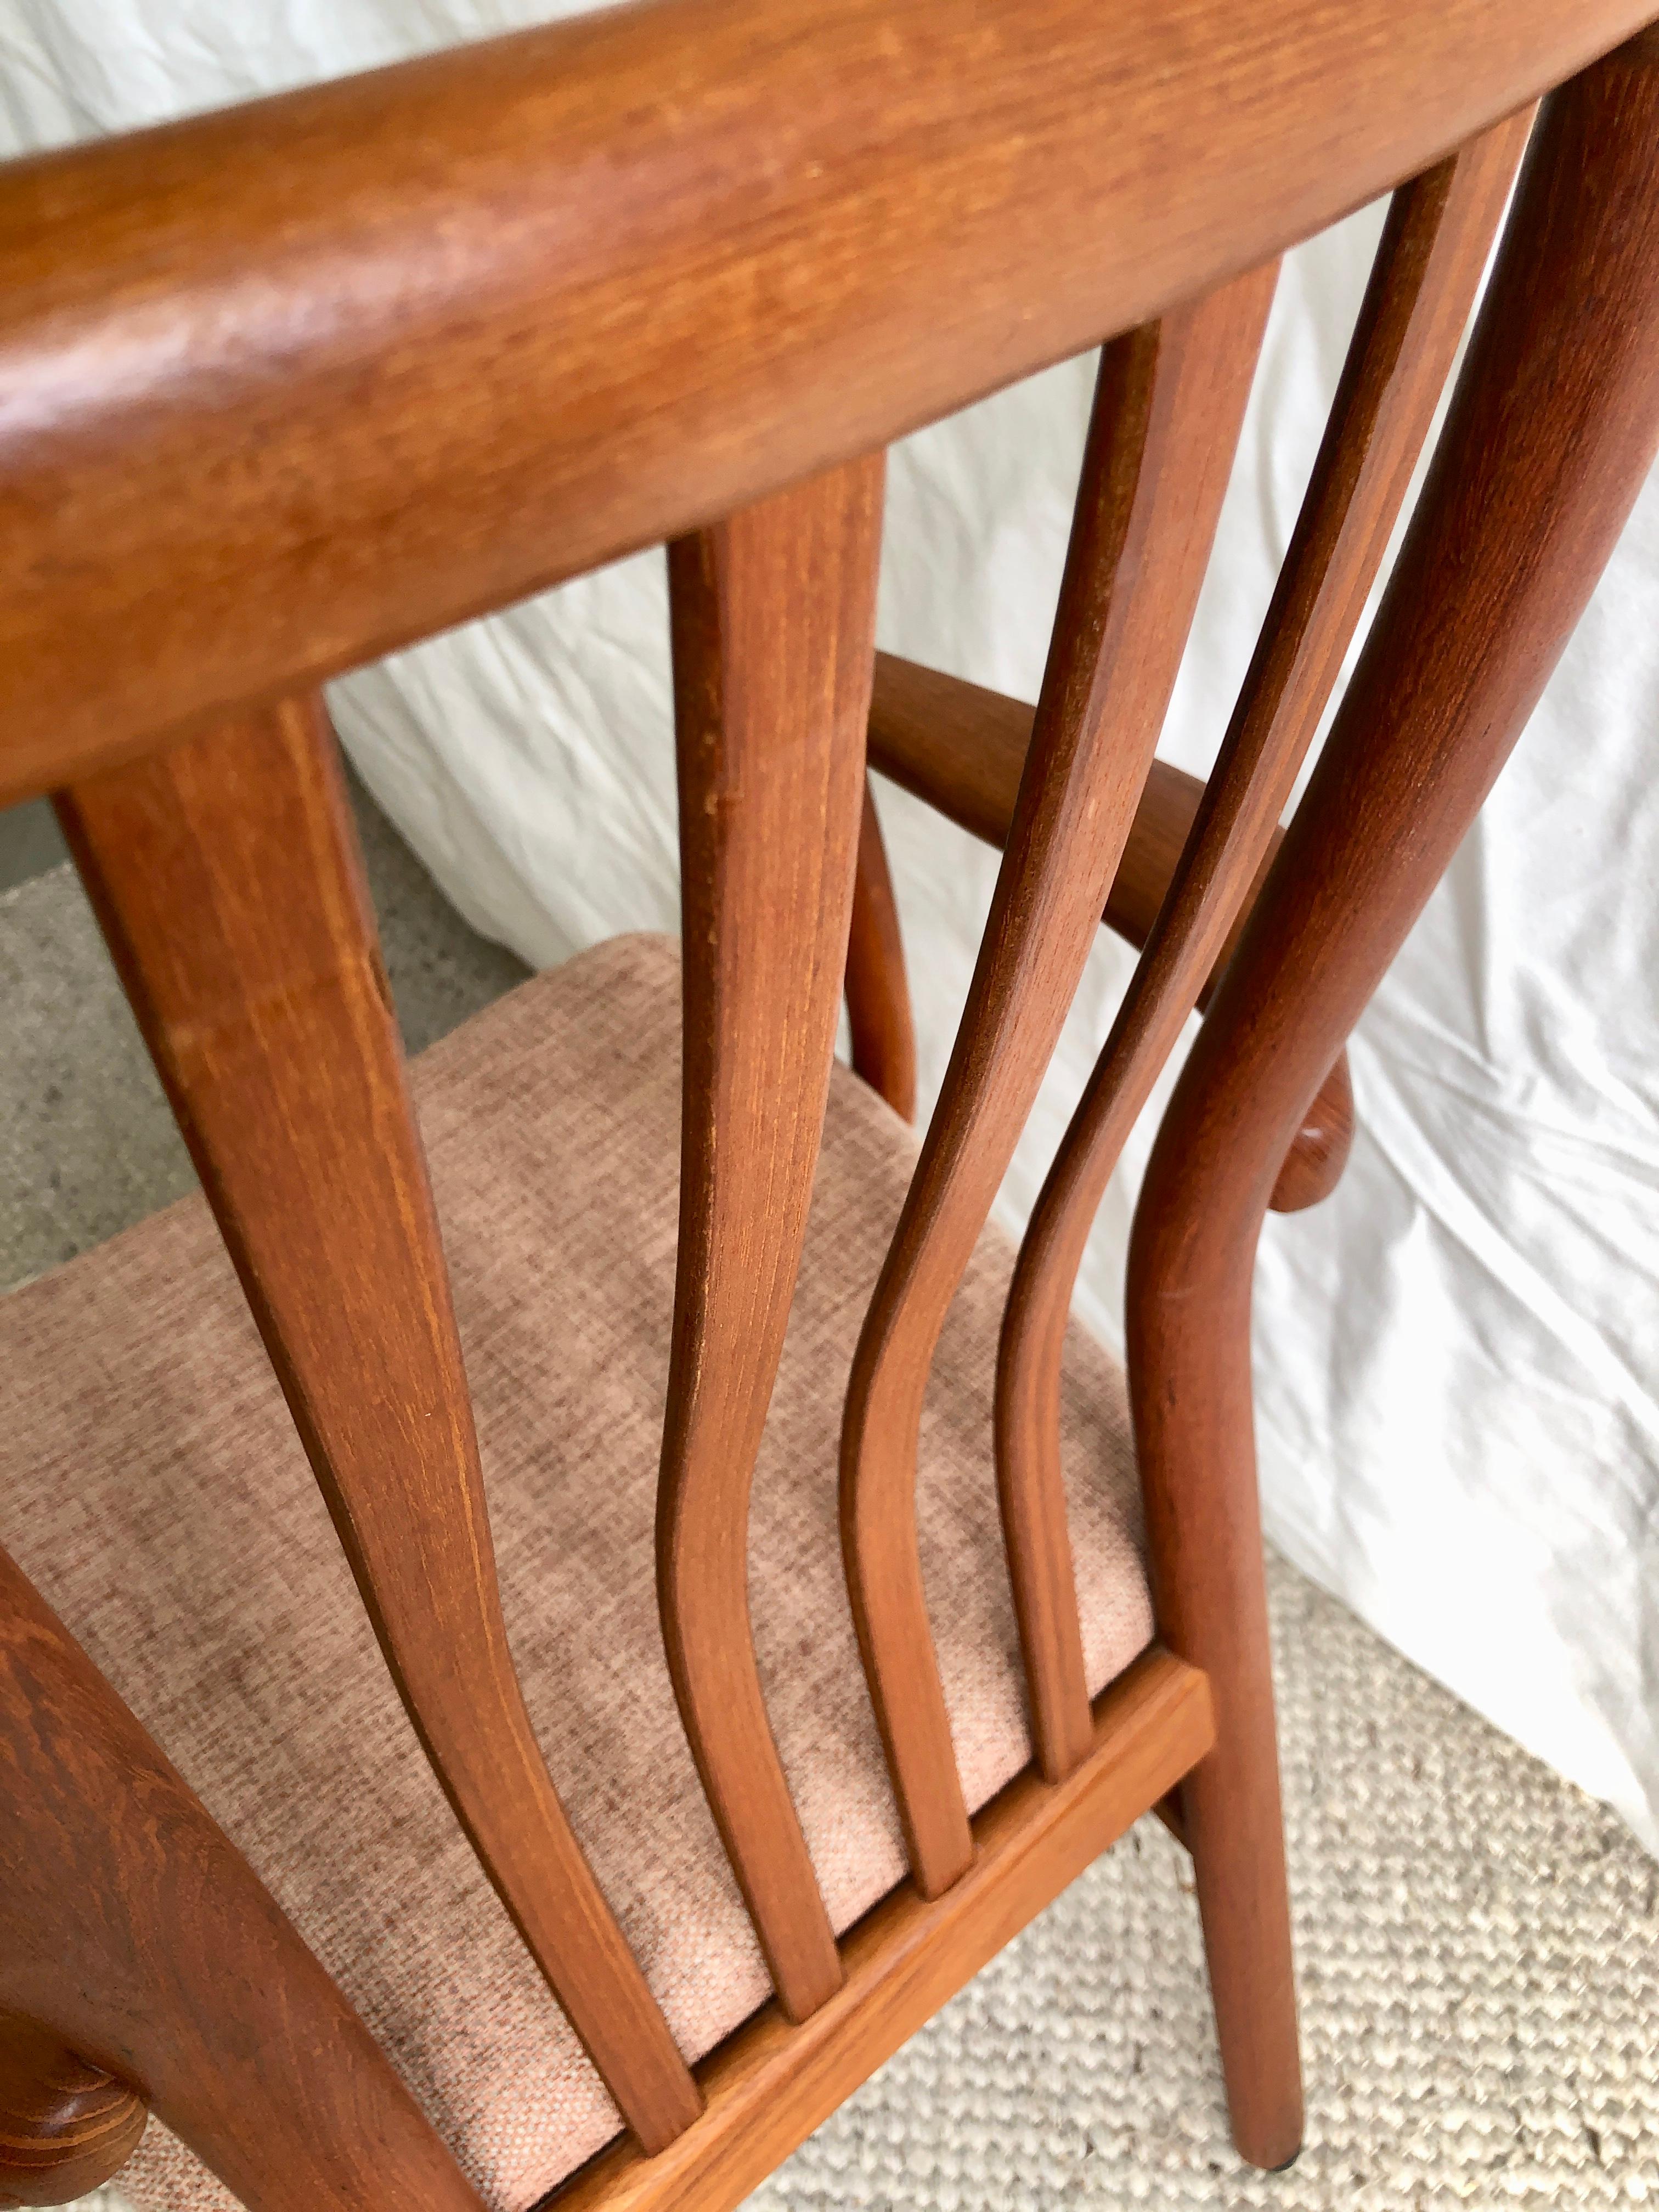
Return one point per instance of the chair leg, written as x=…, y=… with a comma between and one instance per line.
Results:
x=142, y=1963
x=1190, y=1387
x=1551, y=432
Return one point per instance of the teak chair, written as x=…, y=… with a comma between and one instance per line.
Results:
x=291, y=385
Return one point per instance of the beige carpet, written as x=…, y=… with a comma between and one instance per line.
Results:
x=1478, y=1943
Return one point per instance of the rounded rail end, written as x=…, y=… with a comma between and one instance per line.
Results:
x=65, y=2125
x=1319, y=1152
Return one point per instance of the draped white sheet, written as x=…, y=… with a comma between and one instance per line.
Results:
x=1457, y=1356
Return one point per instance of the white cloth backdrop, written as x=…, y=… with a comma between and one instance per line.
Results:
x=1457, y=1356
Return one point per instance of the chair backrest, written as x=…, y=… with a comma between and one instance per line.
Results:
x=289, y=385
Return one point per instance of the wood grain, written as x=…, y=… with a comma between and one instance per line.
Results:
x=877, y=993
x=1433, y=250
x=282, y=388
x=66, y=2126
x=1170, y=401
x=771, y=2084
x=225, y=876
x=286, y=386
x=774, y=630
x=135, y=1935
x=962, y=749
x=1553, y=426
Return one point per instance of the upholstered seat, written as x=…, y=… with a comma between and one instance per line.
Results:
x=156, y=1491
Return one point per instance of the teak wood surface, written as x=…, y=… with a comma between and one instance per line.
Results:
x=65, y=2124
x=288, y=384
x=270, y=1024
x=773, y=618
x=134, y=1934
x=1434, y=247
x=580, y=317
x=1168, y=405
x=1553, y=425
x=770, y=2085
x=964, y=747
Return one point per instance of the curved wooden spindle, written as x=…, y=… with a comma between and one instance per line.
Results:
x=66, y=2126
x=1434, y=247
x=1553, y=426
x=774, y=633
x=226, y=877
x=962, y=749
x=1167, y=413
x=877, y=992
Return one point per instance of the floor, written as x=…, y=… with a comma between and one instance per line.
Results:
x=1478, y=1943
x=29, y=843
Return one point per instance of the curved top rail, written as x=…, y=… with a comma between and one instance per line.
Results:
x=286, y=386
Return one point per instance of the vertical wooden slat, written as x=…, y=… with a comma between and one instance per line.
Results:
x=226, y=877
x=1167, y=413
x=1553, y=426
x=1434, y=247
x=134, y=1931
x=774, y=635
x=878, y=992
x=962, y=749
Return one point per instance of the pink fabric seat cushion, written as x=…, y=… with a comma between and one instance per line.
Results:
x=156, y=1491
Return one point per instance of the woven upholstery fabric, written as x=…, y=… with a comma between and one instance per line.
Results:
x=154, y=1491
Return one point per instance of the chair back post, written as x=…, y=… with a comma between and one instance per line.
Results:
x=1552, y=428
